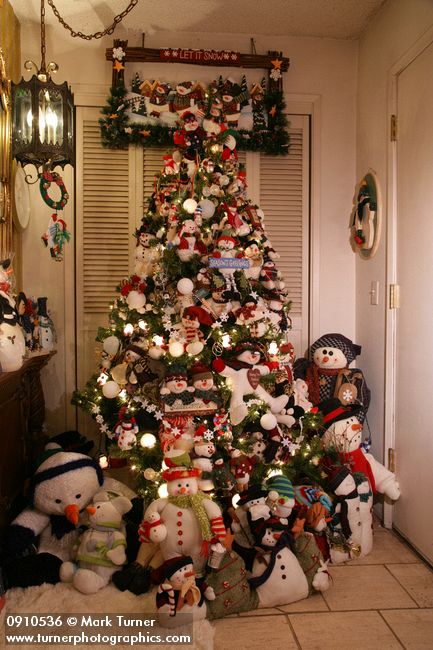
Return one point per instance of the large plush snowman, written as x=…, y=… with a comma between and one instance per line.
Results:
x=185, y=522
x=327, y=372
x=347, y=515
x=62, y=487
x=244, y=373
x=344, y=433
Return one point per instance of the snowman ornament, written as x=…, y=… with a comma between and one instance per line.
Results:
x=189, y=521
x=347, y=515
x=12, y=342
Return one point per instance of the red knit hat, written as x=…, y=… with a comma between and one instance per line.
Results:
x=175, y=473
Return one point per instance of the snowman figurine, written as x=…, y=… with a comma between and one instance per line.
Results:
x=346, y=519
x=126, y=431
x=327, y=372
x=245, y=372
x=146, y=253
x=344, y=433
x=12, y=342
x=204, y=450
x=176, y=393
x=189, y=520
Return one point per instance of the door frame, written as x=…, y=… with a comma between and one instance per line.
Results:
x=391, y=247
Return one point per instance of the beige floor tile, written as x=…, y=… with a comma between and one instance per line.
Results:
x=265, y=611
x=414, y=627
x=417, y=579
x=366, y=587
x=314, y=603
x=338, y=630
x=387, y=547
x=254, y=634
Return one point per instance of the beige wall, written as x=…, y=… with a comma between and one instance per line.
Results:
x=322, y=69
x=395, y=29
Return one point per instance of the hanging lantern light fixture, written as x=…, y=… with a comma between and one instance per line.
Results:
x=42, y=116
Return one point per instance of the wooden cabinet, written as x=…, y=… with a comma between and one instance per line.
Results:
x=22, y=412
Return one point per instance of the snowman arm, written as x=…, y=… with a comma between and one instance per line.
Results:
x=385, y=480
x=24, y=530
x=155, y=507
x=214, y=515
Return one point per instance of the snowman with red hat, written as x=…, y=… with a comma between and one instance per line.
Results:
x=192, y=319
x=185, y=522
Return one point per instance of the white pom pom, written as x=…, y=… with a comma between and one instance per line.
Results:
x=176, y=349
x=110, y=389
x=208, y=208
x=185, y=286
x=136, y=300
x=111, y=345
x=155, y=352
x=195, y=347
x=268, y=421
x=190, y=205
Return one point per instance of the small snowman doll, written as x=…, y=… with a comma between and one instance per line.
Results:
x=203, y=383
x=281, y=497
x=146, y=253
x=347, y=515
x=126, y=431
x=179, y=600
x=204, y=450
x=189, y=521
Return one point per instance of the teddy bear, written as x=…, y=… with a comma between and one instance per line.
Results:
x=61, y=488
x=245, y=372
x=327, y=372
x=101, y=548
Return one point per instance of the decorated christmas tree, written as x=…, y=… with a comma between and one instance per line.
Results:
x=196, y=355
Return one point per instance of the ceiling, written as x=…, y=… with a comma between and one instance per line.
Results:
x=321, y=18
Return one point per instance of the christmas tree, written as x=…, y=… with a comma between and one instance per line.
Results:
x=196, y=362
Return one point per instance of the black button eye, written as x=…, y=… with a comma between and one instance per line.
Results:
x=58, y=501
x=324, y=352
x=78, y=496
x=330, y=353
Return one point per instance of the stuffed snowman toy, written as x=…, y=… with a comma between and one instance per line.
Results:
x=203, y=383
x=186, y=521
x=179, y=594
x=327, y=372
x=244, y=373
x=276, y=573
x=281, y=497
x=204, y=450
x=346, y=515
x=12, y=342
x=101, y=549
x=62, y=487
x=146, y=254
x=344, y=433
x=176, y=393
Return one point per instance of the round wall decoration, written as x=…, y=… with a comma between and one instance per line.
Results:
x=21, y=205
x=366, y=218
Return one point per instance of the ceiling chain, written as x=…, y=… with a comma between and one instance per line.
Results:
x=89, y=37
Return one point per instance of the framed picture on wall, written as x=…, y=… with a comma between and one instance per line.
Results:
x=366, y=217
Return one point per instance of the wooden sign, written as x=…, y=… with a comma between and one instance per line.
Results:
x=206, y=57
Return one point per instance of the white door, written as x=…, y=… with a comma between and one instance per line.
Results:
x=413, y=513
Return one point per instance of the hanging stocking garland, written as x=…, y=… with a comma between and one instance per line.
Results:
x=56, y=234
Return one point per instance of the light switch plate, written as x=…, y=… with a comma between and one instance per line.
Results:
x=374, y=293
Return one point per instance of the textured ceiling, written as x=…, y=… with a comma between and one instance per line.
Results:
x=323, y=18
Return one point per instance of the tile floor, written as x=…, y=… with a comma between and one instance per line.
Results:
x=382, y=602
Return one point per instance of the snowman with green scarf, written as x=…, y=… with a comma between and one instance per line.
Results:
x=185, y=522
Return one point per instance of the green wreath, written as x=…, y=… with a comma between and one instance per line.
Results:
x=46, y=179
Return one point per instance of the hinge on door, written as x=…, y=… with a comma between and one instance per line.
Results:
x=394, y=296
x=393, y=131
x=392, y=459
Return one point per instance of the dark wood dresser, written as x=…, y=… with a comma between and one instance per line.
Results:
x=22, y=413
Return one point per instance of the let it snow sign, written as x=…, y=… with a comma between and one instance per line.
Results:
x=209, y=57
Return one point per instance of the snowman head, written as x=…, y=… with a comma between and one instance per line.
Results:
x=345, y=435
x=270, y=537
x=65, y=483
x=176, y=382
x=178, y=570
x=251, y=357
x=341, y=481
x=182, y=487
x=334, y=351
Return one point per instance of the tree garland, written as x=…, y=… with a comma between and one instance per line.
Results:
x=117, y=131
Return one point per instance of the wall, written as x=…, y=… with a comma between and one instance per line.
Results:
x=322, y=69
x=395, y=29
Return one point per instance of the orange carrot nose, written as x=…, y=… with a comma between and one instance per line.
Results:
x=72, y=513
x=356, y=427
x=189, y=574
x=276, y=535
x=91, y=510
x=325, y=359
x=182, y=490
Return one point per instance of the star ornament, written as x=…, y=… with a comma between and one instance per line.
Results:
x=277, y=63
x=118, y=66
x=145, y=133
x=273, y=111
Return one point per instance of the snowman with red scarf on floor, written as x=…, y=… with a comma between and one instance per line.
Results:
x=187, y=521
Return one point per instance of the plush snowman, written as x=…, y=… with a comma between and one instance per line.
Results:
x=126, y=431
x=251, y=510
x=176, y=393
x=227, y=249
x=344, y=433
x=276, y=573
x=327, y=372
x=255, y=258
x=245, y=372
x=192, y=319
x=12, y=342
x=101, y=549
x=188, y=519
x=188, y=241
x=179, y=594
x=281, y=497
x=203, y=383
x=62, y=487
x=204, y=451
x=147, y=253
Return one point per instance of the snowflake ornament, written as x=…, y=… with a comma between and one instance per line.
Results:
x=275, y=74
x=208, y=435
x=348, y=395
x=118, y=53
